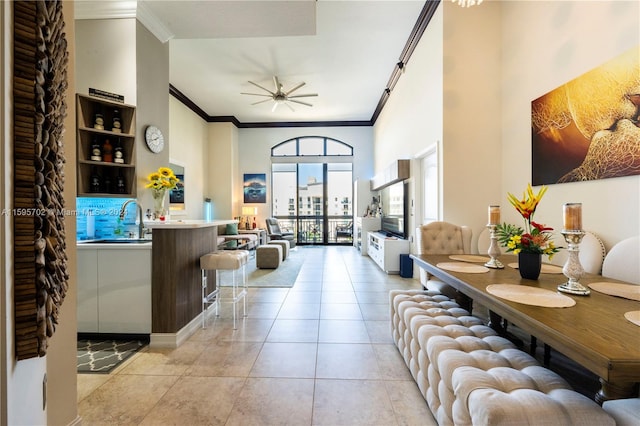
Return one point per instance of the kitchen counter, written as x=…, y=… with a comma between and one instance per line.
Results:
x=187, y=224
x=176, y=294
x=99, y=244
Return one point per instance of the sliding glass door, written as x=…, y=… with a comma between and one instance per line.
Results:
x=314, y=200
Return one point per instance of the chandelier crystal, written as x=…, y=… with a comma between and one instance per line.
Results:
x=467, y=3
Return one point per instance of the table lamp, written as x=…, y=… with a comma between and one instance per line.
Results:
x=247, y=212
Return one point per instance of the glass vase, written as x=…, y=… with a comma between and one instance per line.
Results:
x=529, y=265
x=159, y=196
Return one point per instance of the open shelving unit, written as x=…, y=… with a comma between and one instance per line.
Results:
x=86, y=108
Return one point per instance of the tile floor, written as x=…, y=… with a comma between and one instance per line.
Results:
x=319, y=353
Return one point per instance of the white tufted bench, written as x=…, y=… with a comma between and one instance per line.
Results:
x=469, y=375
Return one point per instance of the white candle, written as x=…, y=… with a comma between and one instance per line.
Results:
x=572, y=214
x=494, y=215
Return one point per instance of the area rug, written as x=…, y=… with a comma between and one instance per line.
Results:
x=102, y=356
x=283, y=276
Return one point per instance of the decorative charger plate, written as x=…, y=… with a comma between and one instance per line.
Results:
x=628, y=291
x=633, y=316
x=462, y=267
x=530, y=295
x=546, y=268
x=469, y=258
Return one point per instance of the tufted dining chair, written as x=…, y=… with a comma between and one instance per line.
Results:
x=441, y=238
x=621, y=263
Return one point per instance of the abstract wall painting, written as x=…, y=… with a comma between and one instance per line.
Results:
x=255, y=188
x=588, y=129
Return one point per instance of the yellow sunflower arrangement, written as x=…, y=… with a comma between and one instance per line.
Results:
x=163, y=179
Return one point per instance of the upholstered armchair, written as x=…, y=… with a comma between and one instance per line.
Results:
x=442, y=238
x=275, y=233
x=344, y=231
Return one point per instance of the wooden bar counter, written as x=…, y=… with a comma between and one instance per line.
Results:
x=176, y=298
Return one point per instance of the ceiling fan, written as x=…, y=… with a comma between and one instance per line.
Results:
x=280, y=96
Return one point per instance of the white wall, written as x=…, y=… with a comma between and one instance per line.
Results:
x=495, y=59
x=189, y=136
x=255, y=154
x=221, y=169
x=546, y=44
x=106, y=57
x=152, y=88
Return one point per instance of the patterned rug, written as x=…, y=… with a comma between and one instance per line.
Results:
x=102, y=356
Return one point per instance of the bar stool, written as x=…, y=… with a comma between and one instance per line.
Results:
x=224, y=260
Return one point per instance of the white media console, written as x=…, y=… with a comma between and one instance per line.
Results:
x=386, y=251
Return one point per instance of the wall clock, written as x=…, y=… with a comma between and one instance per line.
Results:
x=154, y=139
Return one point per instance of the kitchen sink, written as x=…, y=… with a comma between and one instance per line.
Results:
x=117, y=241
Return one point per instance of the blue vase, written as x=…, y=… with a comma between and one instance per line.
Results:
x=529, y=265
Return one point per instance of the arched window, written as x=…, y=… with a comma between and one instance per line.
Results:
x=311, y=145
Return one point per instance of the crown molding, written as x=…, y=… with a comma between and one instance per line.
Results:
x=153, y=23
x=104, y=9
x=124, y=9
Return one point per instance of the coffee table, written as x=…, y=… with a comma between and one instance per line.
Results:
x=239, y=244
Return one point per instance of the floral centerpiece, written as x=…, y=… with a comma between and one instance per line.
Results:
x=534, y=238
x=160, y=182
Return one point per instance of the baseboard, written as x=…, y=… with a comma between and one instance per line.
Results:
x=173, y=340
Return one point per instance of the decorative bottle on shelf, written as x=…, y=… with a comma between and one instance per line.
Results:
x=118, y=154
x=120, y=186
x=254, y=225
x=117, y=123
x=107, y=151
x=96, y=150
x=95, y=183
x=106, y=183
x=98, y=120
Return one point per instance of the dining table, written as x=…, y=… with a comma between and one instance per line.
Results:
x=595, y=332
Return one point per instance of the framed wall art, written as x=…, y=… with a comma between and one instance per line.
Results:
x=255, y=188
x=587, y=129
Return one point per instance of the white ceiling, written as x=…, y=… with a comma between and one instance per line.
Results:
x=345, y=51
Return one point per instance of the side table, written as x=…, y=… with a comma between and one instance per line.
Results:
x=261, y=233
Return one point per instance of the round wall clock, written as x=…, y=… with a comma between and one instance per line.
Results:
x=154, y=138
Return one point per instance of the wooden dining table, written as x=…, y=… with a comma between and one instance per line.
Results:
x=594, y=332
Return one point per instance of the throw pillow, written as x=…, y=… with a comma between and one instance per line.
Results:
x=232, y=229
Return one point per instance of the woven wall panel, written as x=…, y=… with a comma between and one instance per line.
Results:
x=39, y=89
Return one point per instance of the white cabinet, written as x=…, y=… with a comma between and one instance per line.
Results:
x=364, y=225
x=114, y=290
x=386, y=251
x=87, y=303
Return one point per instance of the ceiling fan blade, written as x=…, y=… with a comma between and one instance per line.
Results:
x=256, y=94
x=290, y=107
x=261, y=102
x=266, y=90
x=275, y=106
x=300, y=102
x=277, y=84
x=295, y=88
x=303, y=96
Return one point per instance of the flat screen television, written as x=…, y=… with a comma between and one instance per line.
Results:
x=393, y=200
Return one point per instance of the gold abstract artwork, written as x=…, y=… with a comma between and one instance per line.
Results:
x=588, y=128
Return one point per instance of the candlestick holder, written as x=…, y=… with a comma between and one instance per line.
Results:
x=494, y=249
x=572, y=268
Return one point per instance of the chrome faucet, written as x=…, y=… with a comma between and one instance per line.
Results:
x=123, y=211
